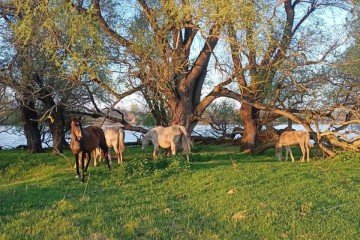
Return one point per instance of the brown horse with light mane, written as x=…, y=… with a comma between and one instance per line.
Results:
x=84, y=141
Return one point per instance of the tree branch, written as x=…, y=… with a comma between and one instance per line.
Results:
x=95, y=114
x=116, y=37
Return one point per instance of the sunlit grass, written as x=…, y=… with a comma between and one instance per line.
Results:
x=171, y=199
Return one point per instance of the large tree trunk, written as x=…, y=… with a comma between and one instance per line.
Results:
x=57, y=117
x=57, y=125
x=249, y=116
x=31, y=127
x=182, y=112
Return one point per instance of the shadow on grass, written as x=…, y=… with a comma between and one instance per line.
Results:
x=206, y=157
x=36, y=194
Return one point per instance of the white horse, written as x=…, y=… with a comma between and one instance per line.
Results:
x=114, y=138
x=291, y=138
x=174, y=136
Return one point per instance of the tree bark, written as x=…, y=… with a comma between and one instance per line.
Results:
x=57, y=115
x=57, y=125
x=182, y=112
x=249, y=116
x=31, y=127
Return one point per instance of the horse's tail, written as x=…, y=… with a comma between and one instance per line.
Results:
x=307, y=141
x=185, y=140
x=121, y=139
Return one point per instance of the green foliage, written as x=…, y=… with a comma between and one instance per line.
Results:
x=145, y=119
x=172, y=199
x=351, y=63
x=71, y=40
x=224, y=111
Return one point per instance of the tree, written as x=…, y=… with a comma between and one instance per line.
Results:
x=43, y=91
x=223, y=117
x=157, y=45
x=268, y=47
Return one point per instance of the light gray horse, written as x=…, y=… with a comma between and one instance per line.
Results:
x=174, y=136
x=115, y=138
x=291, y=138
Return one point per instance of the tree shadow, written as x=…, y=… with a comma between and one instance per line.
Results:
x=211, y=157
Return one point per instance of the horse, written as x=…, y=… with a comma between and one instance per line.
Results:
x=84, y=141
x=173, y=136
x=291, y=138
x=115, y=138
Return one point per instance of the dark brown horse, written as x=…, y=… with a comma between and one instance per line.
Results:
x=84, y=141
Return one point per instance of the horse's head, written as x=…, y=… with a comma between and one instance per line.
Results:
x=76, y=128
x=278, y=151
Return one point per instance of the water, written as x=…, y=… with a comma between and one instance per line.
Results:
x=15, y=137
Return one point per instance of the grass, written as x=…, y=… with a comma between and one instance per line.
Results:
x=172, y=199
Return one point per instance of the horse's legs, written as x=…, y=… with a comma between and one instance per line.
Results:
x=95, y=157
x=77, y=165
x=105, y=149
x=287, y=153
x=156, y=147
x=307, y=152
x=82, y=165
x=278, y=152
x=107, y=160
x=303, y=152
x=173, y=148
x=117, y=152
x=106, y=156
x=88, y=161
x=109, y=155
x=168, y=152
x=291, y=155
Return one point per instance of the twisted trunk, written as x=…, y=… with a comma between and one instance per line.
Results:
x=249, y=116
x=57, y=126
x=31, y=127
x=57, y=115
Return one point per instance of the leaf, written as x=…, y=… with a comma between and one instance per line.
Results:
x=239, y=216
x=231, y=191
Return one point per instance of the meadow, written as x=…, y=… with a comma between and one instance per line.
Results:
x=220, y=194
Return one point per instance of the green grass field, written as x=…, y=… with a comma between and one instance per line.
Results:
x=171, y=199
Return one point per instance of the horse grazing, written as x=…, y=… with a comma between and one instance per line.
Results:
x=84, y=141
x=173, y=136
x=291, y=138
x=115, y=138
